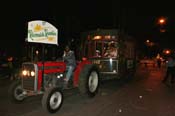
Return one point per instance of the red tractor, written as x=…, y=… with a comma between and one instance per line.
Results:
x=47, y=77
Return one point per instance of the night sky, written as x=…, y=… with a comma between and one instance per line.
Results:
x=71, y=17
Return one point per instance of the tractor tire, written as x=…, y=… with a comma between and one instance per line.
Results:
x=89, y=81
x=52, y=100
x=15, y=92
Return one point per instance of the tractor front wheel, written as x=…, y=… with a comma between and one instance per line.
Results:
x=52, y=100
x=15, y=92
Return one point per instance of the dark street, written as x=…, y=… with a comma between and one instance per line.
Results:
x=64, y=51
x=145, y=95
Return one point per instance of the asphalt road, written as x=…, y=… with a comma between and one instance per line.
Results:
x=145, y=95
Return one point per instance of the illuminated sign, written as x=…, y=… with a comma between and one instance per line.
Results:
x=42, y=32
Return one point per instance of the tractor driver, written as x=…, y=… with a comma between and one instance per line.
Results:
x=69, y=59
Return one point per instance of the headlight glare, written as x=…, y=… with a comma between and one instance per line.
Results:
x=24, y=72
x=32, y=73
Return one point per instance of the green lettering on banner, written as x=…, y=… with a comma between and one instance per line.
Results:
x=33, y=35
x=51, y=33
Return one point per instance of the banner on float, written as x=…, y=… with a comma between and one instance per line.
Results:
x=42, y=32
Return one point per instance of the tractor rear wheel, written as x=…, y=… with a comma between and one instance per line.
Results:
x=89, y=80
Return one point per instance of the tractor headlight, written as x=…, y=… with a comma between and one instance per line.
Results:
x=59, y=75
x=24, y=72
x=28, y=73
x=32, y=73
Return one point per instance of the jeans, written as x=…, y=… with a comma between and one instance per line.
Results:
x=69, y=72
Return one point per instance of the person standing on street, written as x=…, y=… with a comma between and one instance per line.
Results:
x=170, y=70
x=159, y=62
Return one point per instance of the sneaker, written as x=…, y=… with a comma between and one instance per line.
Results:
x=65, y=80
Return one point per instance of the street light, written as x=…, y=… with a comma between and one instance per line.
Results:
x=147, y=41
x=167, y=51
x=162, y=22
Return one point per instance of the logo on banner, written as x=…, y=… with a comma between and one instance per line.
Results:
x=42, y=32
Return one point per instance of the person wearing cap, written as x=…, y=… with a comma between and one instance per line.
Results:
x=97, y=53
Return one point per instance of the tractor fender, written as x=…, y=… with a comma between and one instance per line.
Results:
x=78, y=70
